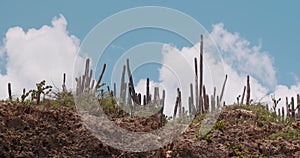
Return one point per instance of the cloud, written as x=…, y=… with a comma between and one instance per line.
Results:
x=39, y=54
x=246, y=59
x=240, y=59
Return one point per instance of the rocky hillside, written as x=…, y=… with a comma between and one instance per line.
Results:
x=30, y=131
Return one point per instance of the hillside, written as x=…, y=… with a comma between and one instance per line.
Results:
x=241, y=131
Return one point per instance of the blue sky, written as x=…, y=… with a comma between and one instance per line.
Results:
x=275, y=24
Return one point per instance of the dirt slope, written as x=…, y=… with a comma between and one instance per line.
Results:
x=33, y=132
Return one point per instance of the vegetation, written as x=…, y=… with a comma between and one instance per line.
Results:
x=263, y=115
x=220, y=125
x=287, y=134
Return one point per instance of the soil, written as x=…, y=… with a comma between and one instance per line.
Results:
x=30, y=131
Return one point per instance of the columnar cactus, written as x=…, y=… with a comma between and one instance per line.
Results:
x=9, y=91
x=131, y=85
x=201, y=72
x=64, y=88
x=243, y=95
x=148, y=99
x=223, y=88
x=175, y=108
x=293, y=107
x=123, y=88
x=191, y=100
x=100, y=77
x=248, y=91
x=179, y=101
x=196, y=85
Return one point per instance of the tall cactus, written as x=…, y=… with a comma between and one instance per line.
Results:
x=175, y=108
x=179, y=102
x=223, y=88
x=122, y=86
x=64, y=88
x=243, y=95
x=288, y=114
x=162, y=108
x=147, y=92
x=201, y=72
x=131, y=85
x=191, y=108
x=9, y=91
x=248, y=91
x=293, y=107
x=115, y=90
x=204, y=110
x=298, y=105
x=196, y=85
x=100, y=77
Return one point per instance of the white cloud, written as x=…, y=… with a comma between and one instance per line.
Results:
x=39, y=54
x=240, y=59
x=243, y=57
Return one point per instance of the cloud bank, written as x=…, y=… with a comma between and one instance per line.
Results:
x=38, y=54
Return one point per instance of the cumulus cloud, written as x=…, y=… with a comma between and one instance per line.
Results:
x=240, y=59
x=38, y=54
x=246, y=59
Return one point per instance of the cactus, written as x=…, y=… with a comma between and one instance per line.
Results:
x=191, y=108
x=100, y=77
x=41, y=89
x=190, y=105
x=298, y=105
x=86, y=77
x=201, y=72
x=175, y=108
x=275, y=102
x=282, y=115
x=129, y=99
x=288, y=114
x=163, y=99
x=162, y=108
x=9, y=91
x=223, y=88
x=144, y=100
x=248, y=91
x=238, y=100
x=131, y=85
x=218, y=102
x=155, y=96
x=293, y=107
x=123, y=87
x=279, y=116
x=204, y=110
x=213, y=100
x=147, y=92
x=196, y=85
x=115, y=90
x=64, y=88
x=139, y=99
x=243, y=95
x=179, y=101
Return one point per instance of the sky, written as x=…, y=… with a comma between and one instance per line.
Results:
x=259, y=38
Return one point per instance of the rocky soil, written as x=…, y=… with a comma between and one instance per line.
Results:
x=29, y=131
